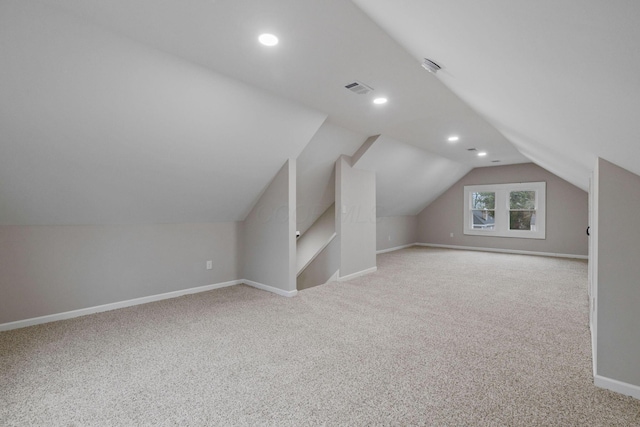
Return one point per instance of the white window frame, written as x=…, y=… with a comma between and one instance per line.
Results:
x=501, y=228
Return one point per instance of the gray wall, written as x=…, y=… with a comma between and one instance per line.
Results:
x=355, y=217
x=52, y=269
x=269, y=233
x=316, y=237
x=322, y=267
x=618, y=306
x=315, y=167
x=567, y=213
x=394, y=231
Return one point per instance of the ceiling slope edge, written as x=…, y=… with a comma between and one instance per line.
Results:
x=408, y=178
x=557, y=163
x=293, y=157
x=315, y=169
x=366, y=146
x=574, y=169
x=118, y=132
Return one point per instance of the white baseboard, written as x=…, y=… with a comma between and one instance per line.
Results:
x=505, y=251
x=357, y=274
x=617, y=386
x=396, y=248
x=136, y=301
x=268, y=288
x=112, y=306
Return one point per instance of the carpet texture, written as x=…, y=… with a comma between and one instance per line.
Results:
x=436, y=337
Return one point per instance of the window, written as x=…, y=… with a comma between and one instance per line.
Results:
x=505, y=210
x=522, y=210
x=483, y=209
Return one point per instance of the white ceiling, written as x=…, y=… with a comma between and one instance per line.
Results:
x=407, y=178
x=99, y=130
x=324, y=45
x=559, y=79
x=315, y=184
x=139, y=111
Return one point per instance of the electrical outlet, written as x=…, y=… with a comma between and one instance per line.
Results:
x=450, y=234
x=209, y=265
x=389, y=237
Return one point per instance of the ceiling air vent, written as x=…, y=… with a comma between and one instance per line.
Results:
x=472, y=149
x=430, y=66
x=359, y=88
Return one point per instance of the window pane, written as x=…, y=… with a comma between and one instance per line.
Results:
x=483, y=200
x=522, y=200
x=483, y=219
x=522, y=220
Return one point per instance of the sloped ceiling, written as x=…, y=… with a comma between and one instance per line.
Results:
x=315, y=185
x=324, y=45
x=99, y=130
x=558, y=79
x=139, y=111
x=407, y=178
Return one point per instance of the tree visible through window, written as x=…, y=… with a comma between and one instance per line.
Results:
x=506, y=210
x=483, y=206
x=522, y=210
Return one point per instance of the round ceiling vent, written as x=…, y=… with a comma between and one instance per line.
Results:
x=430, y=66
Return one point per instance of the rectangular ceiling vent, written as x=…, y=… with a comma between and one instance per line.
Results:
x=359, y=88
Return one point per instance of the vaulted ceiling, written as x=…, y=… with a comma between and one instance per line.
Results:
x=138, y=111
x=560, y=80
x=99, y=130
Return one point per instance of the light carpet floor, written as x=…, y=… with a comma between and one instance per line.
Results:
x=435, y=337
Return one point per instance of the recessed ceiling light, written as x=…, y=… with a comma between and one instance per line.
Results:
x=268, y=39
x=453, y=138
x=482, y=154
x=380, y=101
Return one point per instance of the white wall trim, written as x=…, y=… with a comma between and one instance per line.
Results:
x=112, y=306
x=506, y=251
x=356, y=274
x=617, y=386
x=396, y=248
x=501, y=223
x=268, y=288
x=594, y=200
